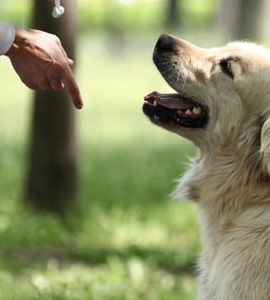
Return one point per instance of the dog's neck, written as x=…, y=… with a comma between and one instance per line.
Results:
x=224, y=193
x=217, y=180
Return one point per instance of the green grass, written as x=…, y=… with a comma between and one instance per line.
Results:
x=127, y=240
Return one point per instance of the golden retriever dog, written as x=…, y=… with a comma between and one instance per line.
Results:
x=222, y=105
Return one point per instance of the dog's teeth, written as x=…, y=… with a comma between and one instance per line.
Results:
x=197, y=110
x=155, y=103
x=188, y=112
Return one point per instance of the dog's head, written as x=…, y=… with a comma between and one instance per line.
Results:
x=222, y=94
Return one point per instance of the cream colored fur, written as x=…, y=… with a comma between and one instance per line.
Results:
x=230, y=180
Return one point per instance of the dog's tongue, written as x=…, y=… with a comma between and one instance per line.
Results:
x=171, y=101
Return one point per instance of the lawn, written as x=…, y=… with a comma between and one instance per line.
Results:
x=127, y=240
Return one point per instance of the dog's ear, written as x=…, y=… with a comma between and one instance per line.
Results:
x=265, y=144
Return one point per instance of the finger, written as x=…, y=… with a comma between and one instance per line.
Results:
x=44, y=85
x=56, y=84
x=70, y=62
x=32, y=86
x=64, y=54
x=29, y=82
x=72, y=88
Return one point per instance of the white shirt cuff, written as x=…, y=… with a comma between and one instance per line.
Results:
x=7, y=36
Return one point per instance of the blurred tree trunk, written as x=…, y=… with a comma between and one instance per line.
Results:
x=173, y=15
x=242, y=18
x=51, y=182
x=265, y=20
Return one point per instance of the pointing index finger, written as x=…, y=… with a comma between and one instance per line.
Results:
x=72, y=88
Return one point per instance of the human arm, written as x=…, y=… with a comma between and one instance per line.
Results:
x=41, y=62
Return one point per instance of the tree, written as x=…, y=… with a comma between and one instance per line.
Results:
x=52, y=175
x=173, y=16
x=242, y=18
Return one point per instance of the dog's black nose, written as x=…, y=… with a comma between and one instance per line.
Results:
x=166, y=42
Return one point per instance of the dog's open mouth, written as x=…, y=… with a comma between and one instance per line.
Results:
x=169, y=109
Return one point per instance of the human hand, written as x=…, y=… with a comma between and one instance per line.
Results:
x=41, y=62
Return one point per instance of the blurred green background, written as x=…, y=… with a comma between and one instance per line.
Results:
x=127, y=239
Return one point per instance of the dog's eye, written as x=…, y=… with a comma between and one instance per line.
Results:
x=226, y=67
